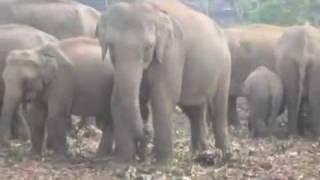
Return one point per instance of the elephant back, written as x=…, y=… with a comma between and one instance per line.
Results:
x=61, y=18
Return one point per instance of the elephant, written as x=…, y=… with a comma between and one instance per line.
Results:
x=264, y=92
x=251, y=46
x=179, y=57
x=298, y=64
x=15, y=36
x=59, y=80
x=60, y=18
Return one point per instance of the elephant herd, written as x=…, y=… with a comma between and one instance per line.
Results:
x=141, y=59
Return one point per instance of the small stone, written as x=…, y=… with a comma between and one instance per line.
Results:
x=266, y=165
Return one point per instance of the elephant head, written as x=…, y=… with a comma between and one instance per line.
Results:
x=26, y=75
x=137, y=36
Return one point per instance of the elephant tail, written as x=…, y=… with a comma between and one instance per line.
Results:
x=302, y=68
x=302, y=74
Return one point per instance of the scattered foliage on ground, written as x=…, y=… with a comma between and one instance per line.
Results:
x=269, y=159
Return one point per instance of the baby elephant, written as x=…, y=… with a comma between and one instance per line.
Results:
x=59, y=80
x=264, y=92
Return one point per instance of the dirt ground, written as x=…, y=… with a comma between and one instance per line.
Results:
x=260, y=159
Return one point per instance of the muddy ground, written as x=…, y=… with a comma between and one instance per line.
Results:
x=261, y=159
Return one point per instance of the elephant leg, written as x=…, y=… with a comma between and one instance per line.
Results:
x=57, y=126
x=107, y=141
x=85, y=121
x=218, y=108
x=15, y=127
x=260, y=128
x=250, y=126
x=125, y=148
x=147, y=131
x=36, y=117
x=19, y=126
x=291, y=94
x=57, y=129
x=314, y=94
x=303, y=117
x=162, y=108
x=232, y=112
x=258, y=116
x=196, y=115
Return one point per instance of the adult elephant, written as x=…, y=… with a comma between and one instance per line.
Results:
x=14, y=36
x=61, y=18
x=180, y=57
x=298, y=67
x=251, y=46
x=58, y=80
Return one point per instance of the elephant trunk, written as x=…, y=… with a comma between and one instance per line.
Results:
x=127, y=82
x=126, y=108
x=9, y=108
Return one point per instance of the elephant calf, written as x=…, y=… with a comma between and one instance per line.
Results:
x=264, y=92
x=59, y=80
x=16, y=36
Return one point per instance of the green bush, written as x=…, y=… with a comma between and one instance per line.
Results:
x=280, y=12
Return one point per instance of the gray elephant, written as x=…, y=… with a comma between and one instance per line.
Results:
x=14, y=36
x=179, y=57
x=264, y=92
x=60, y=18
x=298, y=67
x=251, y=46
x=59, y=80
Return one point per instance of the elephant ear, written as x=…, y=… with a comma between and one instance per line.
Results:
x=167, y=29
x=100, y=27
x=49, y=56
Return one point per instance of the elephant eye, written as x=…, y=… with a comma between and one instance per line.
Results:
x=148, y=47
x=148, y=53
x=111, y=54
x=32, y=83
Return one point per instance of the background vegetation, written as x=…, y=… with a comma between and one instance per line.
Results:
x=280, y=12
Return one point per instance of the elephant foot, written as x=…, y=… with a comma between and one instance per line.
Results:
x=163, y=163
x=198, y=149
x=35, y=151
x=35, y=154
x=5, y=143
x=236, y=131
x=142, y=146
x=226, y=156
x=124, y=157
x=163, y=160
x=142, y=151
x=236, y=125
x=20, y=131
x=20, y=135
x=212, y=158
x=118, y=165
x=61, y=157
x=104, y=152
x=59, y=150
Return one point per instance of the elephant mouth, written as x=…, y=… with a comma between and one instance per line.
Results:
x=29, y=97
x=27, y=100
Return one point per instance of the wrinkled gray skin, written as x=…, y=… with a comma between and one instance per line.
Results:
x=59, y=80
x=251, y=46
x=60, y=18
x=13, y=36
x=298, y=66
x=264, y=92
x=171, y=55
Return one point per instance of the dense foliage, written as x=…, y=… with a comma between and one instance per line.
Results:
x=281, y=12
